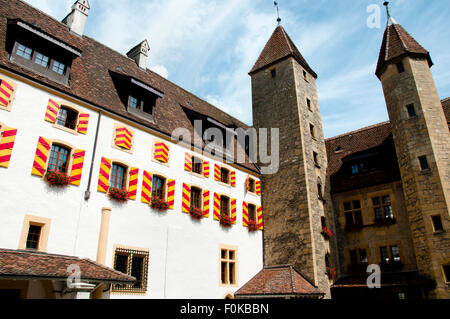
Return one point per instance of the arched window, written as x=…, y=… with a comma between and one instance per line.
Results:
x=67, y=117
x=118, y=177
x=59, y=159
x=158, y=187
x=196, y=197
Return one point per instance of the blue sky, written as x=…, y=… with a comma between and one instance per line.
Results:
x=208, y=47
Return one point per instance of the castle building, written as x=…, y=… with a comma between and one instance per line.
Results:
x=118, y=178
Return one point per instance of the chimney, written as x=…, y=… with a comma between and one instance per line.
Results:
x=76, y=19
x=139, y=54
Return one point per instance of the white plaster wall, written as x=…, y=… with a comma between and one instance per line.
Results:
x=184, y=254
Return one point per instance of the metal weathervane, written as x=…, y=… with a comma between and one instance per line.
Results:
x=275, y=3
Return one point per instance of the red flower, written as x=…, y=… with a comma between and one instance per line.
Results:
x=253, y=225
x=57, y=178
x=326, y=232
x=196, y=213
x=226, y=220
x=331, y=273
x=120, y=195
x=159, y=204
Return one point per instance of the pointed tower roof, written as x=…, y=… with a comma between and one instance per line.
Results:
x=279, y=47
x=397, y=42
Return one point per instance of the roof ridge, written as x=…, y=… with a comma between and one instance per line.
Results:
x=358, y=130
x=292, y=279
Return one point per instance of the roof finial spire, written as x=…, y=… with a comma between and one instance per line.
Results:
x=278, y=12
x=390, y=20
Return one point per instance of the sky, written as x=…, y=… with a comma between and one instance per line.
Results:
x=208, y=47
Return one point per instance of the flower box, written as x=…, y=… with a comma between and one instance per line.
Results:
x=331, y=273
x=57, y=178
x=118, y=194
x=225, y=220
x=326, y=233
x=384, y=221
x=253, y=225
x=159, y=204
x=196, y=213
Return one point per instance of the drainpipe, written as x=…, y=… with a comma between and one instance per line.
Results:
x=87, y=193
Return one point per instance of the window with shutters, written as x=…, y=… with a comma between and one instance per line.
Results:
x=224, y=175
x=251, y=185
x=158, y=187
x=225, y=206
x=67, y=117
x=132, y=262
x=59, y=159
x=228, y=266
x=197, y=165
x=252, y=215
x=118, y=178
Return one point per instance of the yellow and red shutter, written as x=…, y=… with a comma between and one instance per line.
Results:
x=123, y=138
x=233, y=179
x=216, y=206
x=260, y=218
x=233, y=210
x=6, y=92
x=258, y=188
x=206, y=204
x=187, y=162
x=83, y=123
x=51, y=114
x=216, y=172
x=40, y=159
x=186, y=198
x=7, y=145
x=77, y=167
x=103, y=177
x=206, y=169
x=245, y=214
x=161, y=152
x=146, y=187
x=171, y=193
x=132, y=185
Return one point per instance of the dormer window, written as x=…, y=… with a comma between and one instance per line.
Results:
x=58, y=67
x=24, y=51
x=42, y=60
x=141, y=102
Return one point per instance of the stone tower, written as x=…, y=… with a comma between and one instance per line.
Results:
x=422, y=138
x=284, y=96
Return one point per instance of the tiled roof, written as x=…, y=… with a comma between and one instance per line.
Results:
x=279, y=47
x=400, y=279
x=27, y=264
x=396, y=43
x=279, y=280
x=90, y=78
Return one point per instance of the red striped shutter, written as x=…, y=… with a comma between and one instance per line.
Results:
x=233, y=210
x=216, y=206
x=77, y=167
x=260, y=218
x=123, y=138
x=40, y=159
x=6, y=93
x=206, y=203
x=103, y=177
x=171, y=193
x=206, y=169
x=233, y=178
x=161, y=152
x=258, y=188
x=51, y=114
x=216, y=172
x=6, y=145
x=245, y=214
x=83, y=122
x=146, y=187
x=186, y=198
x=132, y=184
x=188, y=162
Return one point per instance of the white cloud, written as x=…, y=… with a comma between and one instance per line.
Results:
x=161, y=70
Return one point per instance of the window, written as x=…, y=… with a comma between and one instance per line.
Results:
x=34, y=234
x=273, y=73
x=252, y=213
x=305, y=75
x=228, y=260
x=319, y=191
x=359, y=168
x=352, y=211
x=196, y=197
x=118, y=177
x=395, y=253
x=141, y=102
x=384, y=255
x=41, y=59
x=158, y=187
x=437, y=223
x=400, y=67
x=411, y=110
x=197, y=165
x=339, y=149
x=363, y=256
x=382, y=207
x=446, y=269
x=59, y=159
x=67, y=118
x=224, y=206
x=134, y=263
x=423, y=163
x=59, y=67
x=308, y=103
x=251, y=185
x=316, y=159
x=224, y=175
x=24, y=52
x=312, y=131
x=390, y=254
